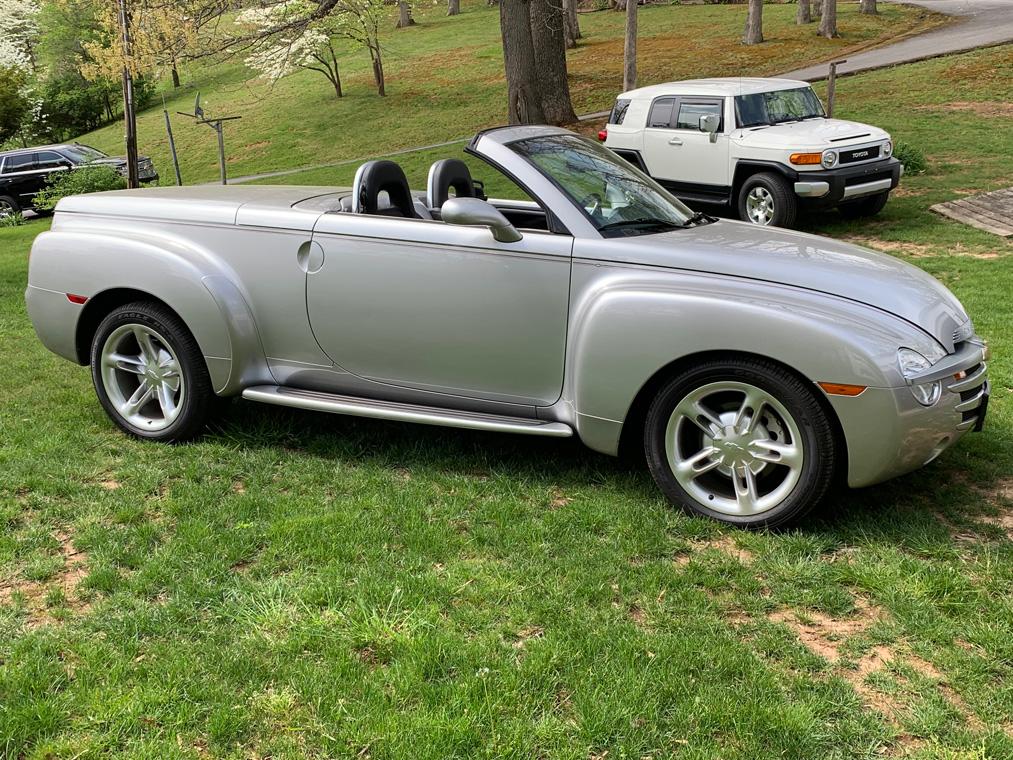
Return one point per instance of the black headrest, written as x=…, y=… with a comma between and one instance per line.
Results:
x=445, y=174
x=375, y=177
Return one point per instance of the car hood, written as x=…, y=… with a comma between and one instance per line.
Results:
x=815, y=133
x=113, y=161
x=806, y=261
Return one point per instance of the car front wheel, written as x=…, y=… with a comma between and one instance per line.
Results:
x=742, y=441
x=149, y=374
x=8, y=206
x=767, y=200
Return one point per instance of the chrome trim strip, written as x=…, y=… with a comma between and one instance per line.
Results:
x=968, y=424
x=389, y=410
x=972, y=403
x=867, y=188
x=971, y=381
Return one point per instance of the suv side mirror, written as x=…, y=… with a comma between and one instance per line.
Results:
x=710, y=123
x=472, y=211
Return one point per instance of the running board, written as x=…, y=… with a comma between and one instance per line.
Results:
x=391, y=410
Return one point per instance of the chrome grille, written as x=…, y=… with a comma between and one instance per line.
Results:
x=963, y=332
x=970, y=384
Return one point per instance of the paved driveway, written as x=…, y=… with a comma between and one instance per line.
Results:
x=985, y=22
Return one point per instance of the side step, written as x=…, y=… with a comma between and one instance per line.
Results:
x=391, y=410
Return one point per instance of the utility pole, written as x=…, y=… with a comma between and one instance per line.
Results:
x=129, y=117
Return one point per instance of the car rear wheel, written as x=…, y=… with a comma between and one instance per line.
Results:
x=8, y=206
x=765, y=199
x=864, y=207
x=742, y=441
x=149, y=374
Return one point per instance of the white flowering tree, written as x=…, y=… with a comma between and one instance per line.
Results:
x=306, y=45
x=19, y=30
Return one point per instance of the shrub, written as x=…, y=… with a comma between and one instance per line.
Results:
x=90, y=179
x=12, y=220
x=912, y=158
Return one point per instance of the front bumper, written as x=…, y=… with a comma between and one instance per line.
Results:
x=831, y=187
x=888, y=433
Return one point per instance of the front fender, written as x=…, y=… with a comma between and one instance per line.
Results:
x=88, y=261
x=629, y=324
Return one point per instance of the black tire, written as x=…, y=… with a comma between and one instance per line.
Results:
x=796, y=395
x=198, y=400
x=9, y=205
x=783, y=198
x=864, y=206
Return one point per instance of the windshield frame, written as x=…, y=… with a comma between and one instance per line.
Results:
x=736, y=100
x=622, y=165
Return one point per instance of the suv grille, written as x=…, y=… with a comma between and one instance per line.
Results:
x=853, y=155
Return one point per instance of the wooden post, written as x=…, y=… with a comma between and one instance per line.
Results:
x=832, y=86
x=221, y=151
x=129, y=117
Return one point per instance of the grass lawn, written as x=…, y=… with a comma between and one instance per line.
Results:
x=445, y=80
x=296, y=585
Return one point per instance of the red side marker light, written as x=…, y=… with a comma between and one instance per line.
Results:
x=603, y=135
x=76, y=299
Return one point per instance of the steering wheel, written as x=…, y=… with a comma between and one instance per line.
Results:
x=595, y=199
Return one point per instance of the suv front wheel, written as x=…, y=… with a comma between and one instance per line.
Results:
x=767, y=200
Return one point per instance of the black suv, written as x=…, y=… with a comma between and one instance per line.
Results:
x=24, y=172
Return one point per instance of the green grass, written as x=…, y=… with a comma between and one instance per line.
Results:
x=446, y=81
x=296, y=585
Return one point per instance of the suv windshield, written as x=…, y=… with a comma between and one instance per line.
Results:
x=82, y=153
x=766, y=108
x=615, y=196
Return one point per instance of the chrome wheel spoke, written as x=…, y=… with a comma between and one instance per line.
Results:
x=125, y=362
x=167, y=400
x=148, y=350
x=749, y=411
x=692, y=410
x=137, y=399
x=697, y=465
x=142, y=377
x=776, y=452
x=746, y=494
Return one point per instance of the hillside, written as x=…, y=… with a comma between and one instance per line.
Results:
x=445, y=80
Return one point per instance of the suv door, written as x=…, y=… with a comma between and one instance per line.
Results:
x=677, y=151
x=444, y=308
x=20, y=178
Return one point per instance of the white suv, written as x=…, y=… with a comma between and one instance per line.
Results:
x=763, y=147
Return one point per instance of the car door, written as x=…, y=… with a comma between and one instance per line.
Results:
x=21, y=177
x=442, y=308
x=49, y=163
x=677, y=151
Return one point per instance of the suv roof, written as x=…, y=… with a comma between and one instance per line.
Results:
x=718, y=86
x=33, y=148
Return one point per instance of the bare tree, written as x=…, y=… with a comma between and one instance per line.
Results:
x=828, y=20
x=548, y=25
x=868, y=6
x=453, y=7
x=572, y=27
x=803, y=15
x=524, y=98
x=630, y=47
x=404, y=14
x=754, y=23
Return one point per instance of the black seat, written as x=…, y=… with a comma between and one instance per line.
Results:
x=446, y=174
x=375, y=177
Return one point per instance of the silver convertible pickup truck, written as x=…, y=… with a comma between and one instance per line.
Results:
x=752, y=365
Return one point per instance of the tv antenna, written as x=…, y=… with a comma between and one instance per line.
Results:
x=216, y=125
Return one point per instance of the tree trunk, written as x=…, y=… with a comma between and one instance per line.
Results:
x=868, y=6
x=804, y=13
x=571, y=26
x=175, y=76
x=754, y=23
x=630, y=47
x=548, y=22
x=374, y=53
x=453, y=7
x=828, y=22
x=404, y=14
x=524, y=100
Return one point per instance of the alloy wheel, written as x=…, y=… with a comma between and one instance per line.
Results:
x=760, y=205
x=734, y=448
x=6, y=208
x=141, y=375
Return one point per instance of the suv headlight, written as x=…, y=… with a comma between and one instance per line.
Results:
x=829, y=159
x=913, y=363
x=887, y=149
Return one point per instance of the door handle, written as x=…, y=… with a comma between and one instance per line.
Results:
x=675, y=141
x=310, y=257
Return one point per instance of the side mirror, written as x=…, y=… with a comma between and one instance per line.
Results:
x=710, y=123
x=473, y=212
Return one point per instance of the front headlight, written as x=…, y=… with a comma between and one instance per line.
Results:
x=913, y=363
x=887, y=149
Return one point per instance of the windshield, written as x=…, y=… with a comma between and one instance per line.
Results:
x=615, y=196
x=766, y=108
x=82, y=153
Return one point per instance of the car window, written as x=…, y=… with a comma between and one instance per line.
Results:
x=690, y=113
x=619, y=111
x=48, y=159
x=661, y=113
x=24, y=162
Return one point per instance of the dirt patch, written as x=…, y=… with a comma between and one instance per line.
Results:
x=239, y=487
x=65, y=582
x=988, y=108
x=918, y=250
x=110, y=485
x=724, y=544
x=822, y=634
x=558, y=499
x=526, y=634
